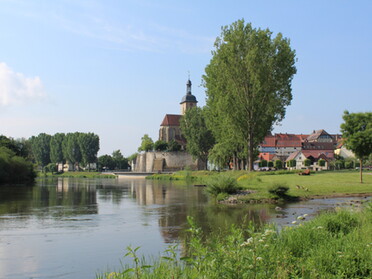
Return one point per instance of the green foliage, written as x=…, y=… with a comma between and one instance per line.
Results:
x=315, y=249
x=270, y=164
x=291, y=163
x=89, y=146
x=222, y=184
x=349, y=164
x=321, y=163
x=56, y=150
x=248, y=84
x=52, y=168
x=307, y=162
x=278, y=189
x=198, y=137
x=147, y=144
x=278, y=164
x=173, y=146
x=71, y=148
x=119, y=160
x=41, y=149
x=262, y=164
x=15, y=169
x=106, y=162
x=132, y=157
x=160, y=145
x=357, y=133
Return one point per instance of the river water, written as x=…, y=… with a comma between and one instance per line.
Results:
x=76, y=228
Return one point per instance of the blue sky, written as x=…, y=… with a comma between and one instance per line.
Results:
x=116, y=68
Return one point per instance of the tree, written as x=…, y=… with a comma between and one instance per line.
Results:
x=292, y=163
x=160, y=145
x=321, y=163
x=278, y=164
x=357, y=135
x=89, y=146
x=173, y=146
x=41, y=149
x=199, y=139
x=307, y=162
x=119, y=160
x=248, y=83
x=56, y=150
x=71, y=148
x=106, y=162
x=147, y=144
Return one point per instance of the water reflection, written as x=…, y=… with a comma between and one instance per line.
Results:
x=46, y=229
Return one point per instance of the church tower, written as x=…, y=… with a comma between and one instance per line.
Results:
x=189, y=100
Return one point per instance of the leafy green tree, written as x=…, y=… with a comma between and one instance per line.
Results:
x=248, y=82
x=321, y=163
x=120, y=161
x=263, y=163
x=106, y=162
x=173, y=146
x=41, y=149
x=292, y=163
x=89, y=146
x=15, y=169
x=160, y=145
x=270, y=164
x=71, y=148
x=307, y=162
x=56, y=150
x=357, y=134
x=147, y=144
x=199, y=139
x=278, y=164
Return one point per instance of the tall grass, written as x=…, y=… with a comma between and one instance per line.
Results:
x=334, y=245
x=221, y=185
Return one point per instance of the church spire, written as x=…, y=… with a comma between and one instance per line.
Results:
x=188, y=87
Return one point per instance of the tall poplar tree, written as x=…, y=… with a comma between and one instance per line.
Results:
x=248, y=82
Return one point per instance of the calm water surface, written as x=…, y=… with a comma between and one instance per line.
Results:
x=76, y=228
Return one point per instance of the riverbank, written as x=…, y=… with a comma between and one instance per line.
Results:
x=333, y=245
x=79, y=174
x=300, y=187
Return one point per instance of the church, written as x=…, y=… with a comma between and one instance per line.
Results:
x=160, y=161
x=170, y=126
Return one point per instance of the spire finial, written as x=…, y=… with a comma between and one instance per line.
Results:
x=188, y=72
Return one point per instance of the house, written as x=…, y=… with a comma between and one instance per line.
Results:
x=314, y=156
x=343, y=152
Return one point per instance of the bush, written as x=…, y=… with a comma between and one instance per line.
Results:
x=270, y=164
x=279, y=190
x=321, y=163
x=278, y=164
x=222, y=184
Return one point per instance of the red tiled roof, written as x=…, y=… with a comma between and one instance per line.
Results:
x=269, y=141
x=316, y=153
x=266, y=156
x=171, y=120
x=293, y=155
x=288, y=140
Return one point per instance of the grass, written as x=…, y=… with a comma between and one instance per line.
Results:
x=81, y=174
x=318, y=184
x=333, y=245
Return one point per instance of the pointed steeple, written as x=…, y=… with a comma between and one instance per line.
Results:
x=189, y=100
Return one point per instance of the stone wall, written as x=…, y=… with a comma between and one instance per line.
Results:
x=173, y=161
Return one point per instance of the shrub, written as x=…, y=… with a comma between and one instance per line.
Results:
x=278, y=164
x=222, y=184
x=270, y=164
x=279, y=190
x=321, y=163
x=341, y=223
x=307, y=162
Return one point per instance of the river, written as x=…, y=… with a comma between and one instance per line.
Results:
x=76, y=228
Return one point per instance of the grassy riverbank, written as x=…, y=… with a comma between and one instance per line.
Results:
x=333, y=245
x=318, y=184
x=79, y=174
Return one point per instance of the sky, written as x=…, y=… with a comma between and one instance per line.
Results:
x=116, y=67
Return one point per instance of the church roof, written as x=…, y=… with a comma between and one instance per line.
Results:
x=171, y=120
x=188, y=98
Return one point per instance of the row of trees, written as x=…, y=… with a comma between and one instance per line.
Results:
x=74, y=148
x=147, y=144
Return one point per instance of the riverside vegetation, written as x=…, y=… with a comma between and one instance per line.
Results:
x=262, y=185
x=333, y=245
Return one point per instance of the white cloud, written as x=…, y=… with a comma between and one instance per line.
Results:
x=15, y=88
